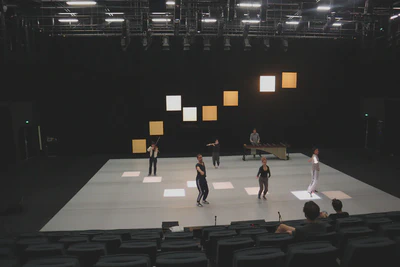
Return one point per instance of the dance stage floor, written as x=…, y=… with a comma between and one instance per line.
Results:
x=121, y=196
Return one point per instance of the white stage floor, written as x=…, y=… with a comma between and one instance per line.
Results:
x=120, y=196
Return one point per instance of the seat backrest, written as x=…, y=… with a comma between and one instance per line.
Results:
x=181, y=259
x=258, y=256
x=180, y=245
x=301, y=254
x=124, y=261
x=60, y=261
x=226, y=247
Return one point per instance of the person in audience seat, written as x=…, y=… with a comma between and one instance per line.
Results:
x=337, y=206
x=313, y=226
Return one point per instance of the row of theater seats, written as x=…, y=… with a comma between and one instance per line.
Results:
x=362, y=240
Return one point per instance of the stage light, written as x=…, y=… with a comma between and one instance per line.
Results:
x=174, y=102
x=206, y=44
x=209, y=20
x=394, y=17
x=250, y=21
x=156, y=127
x=289, y=79
x=68, y=20
x=209, y=113
x=231, y=98
x=71, y=14
x=139, y=146
x=227, y=44
x=267, y=83
x=165, y=43
x=190, y=114
x=337, y=24
x=249, y=5
x=170, y=3
x=114, y=13
x=247, y=45
x=160, y=20
x=115, y=20
x=81, y=3
x=292, y=22
x=323, y=8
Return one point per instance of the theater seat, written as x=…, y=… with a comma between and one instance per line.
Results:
x=394, y=216
x=124, y=261
x=23, y=243
x=329, y=237
x=309, y=253
x=150, y=236
x=370, y=252
x=56, y=236
x=374, y=215
x=205, y=232
x=70, y=240
x=258, y=257
x=158, y=231
x=6, y=253
x=276, y=240
x=375, y=223
x=112, y=242
x=180, y=245
x=240, y=227
x=226, y=247
x=44, y=250
x=9, y=263
x=88, y=253
x=351, y=232
x=124, y=234
x=390, y=230
x=148, y=248
x=182, y=259
x=91, y=233
x=253, y=233
x=65, y=261
x=211, y=244
x=179, y=235
x=349, y=222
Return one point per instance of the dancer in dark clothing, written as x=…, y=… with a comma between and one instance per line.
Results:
x=201, y=181
x=263, y=175
x=215, y=153
x=153, y=150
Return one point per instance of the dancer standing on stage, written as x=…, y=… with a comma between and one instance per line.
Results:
x=263, y=175
x=153, y=149
x=314, y=172
x=201, y=181
x=215, y=153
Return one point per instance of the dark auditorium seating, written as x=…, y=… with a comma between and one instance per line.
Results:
x=258, y=257
x=226, y=247
x=159, y=231
x=9, y=263
x=394, y=216
x=276, y=240
x=182, y=259
x=271, y=226
x=147, y=237
x=124, y=234
x=211, y=244
x=71, y=240
x=23, y=243
x=310, y=253
x=390, y=230
x=124, y=261
x=56, y=236
x=329, y=237
x=351, y=232
x=44, y=250
x=374, y=216
x=6, y=253
x=31, y=235
x=180, y=245
x=179, y=235
x=251, y=222
x=349, y=222
x=88, y=253
x=65, y=261
x=370, y=252
x=253, y=233
x=140, y=247
x=240, y=227
x=91, y=233
x=207, y=230
x=375, y=223
x=112, y=242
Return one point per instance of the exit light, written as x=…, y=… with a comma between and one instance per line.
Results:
x=26, y=122
x=366, y=114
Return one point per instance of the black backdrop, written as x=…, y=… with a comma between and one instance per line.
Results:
x=96, y=98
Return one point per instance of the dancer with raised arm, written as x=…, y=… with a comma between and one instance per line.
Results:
x=153, y=150
x=263, y=175
x=314, y=172
x=201, y=181
x=215, y=153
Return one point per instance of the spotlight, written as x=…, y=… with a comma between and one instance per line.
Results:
x=227, y=44
x=247, y=45
x=266, y=44
x=186, y=43
x=206, y=44
x=81, y=3
x=323, y=8
x=165, y=43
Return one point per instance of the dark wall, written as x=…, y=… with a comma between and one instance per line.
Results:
x=96, y=98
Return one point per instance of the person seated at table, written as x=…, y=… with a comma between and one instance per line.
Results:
x=313, y=226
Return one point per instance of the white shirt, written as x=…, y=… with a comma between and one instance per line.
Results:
x=155, y=151
x=315, y=163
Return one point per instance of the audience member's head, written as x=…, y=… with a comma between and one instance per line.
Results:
x=311, y=210
x=254, y=130
x=337, y=205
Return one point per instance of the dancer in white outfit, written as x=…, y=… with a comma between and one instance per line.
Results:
x=314, y=172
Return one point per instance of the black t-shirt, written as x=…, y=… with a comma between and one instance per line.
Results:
x=335, y=216
x=216, y=148
x=203, y=168
x=264, y=174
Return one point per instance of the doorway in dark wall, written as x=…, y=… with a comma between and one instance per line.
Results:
x=7, y=144
x=25, y=141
